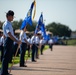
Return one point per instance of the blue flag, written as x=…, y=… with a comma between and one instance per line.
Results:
x=28, y=18
x=38, y=28
x=43, y=30
x=45, y=36
x=39, y=24
x=41, y=27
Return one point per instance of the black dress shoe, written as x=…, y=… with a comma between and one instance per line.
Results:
x=37, y=58
x=34, y=61
x=9, y=74
x=6, y=74
x=23, y=65
x=41, y=53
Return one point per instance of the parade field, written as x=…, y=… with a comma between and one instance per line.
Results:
x=32, y=43
x=17, y=59
x=71, y=42
x=60, y=61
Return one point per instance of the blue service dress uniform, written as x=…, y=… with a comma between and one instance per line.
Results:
x=42, y=46
x=7, y=27
x=50, y=42
x=28, y=46
x=35, y=43
x=33, y=48
x=23, y=48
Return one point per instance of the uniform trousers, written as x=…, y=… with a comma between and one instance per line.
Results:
x=28, y=48
x=7, y=50
x=23, y=48
x=41, y=49
x=37, y=53
x=33, y=52
x=51, y=46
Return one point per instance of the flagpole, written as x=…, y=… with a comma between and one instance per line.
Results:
x=34, y=9
x=14, y=58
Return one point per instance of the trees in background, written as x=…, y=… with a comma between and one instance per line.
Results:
x=59, y=29
x=55, y=28
x=1, y=23
x=17, y=24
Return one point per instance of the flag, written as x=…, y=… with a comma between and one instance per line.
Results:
x=41, y=27
x=28, y=18
x=38, y=28
x=44, y=31
x=39, y=24
x=45, y=36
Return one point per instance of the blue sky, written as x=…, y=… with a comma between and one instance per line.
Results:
x=59, y=11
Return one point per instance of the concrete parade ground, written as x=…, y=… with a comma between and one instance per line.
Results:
x=60, y=61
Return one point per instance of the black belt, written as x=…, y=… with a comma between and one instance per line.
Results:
x=37, y=44
x=24, y=43
x=8, y=41
x=8, y=38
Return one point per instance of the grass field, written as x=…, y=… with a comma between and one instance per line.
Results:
x=17, y=59
x=71, y=42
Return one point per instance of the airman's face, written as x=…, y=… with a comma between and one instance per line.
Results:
x=10, y=18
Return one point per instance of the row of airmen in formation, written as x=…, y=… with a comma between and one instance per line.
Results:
x=9, y=43
x=35, y=39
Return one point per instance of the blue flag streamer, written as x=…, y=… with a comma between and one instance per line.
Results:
x=39, y=25
x=45, y=36
x=38, y=28
x=43, y=30
x=28, y=18
x=40, y=22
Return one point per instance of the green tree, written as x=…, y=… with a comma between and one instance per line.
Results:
x=59, y=29
x=17, y=25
